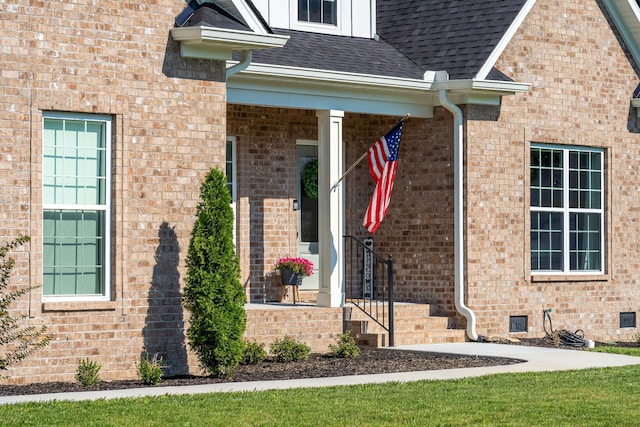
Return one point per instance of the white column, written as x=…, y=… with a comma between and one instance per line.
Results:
x=331, y=208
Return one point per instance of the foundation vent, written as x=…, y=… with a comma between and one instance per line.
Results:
x=628, y=319
x=518, y=323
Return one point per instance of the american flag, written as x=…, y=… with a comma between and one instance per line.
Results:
x=383, y=156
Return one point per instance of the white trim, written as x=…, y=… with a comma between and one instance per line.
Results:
x=234, y=184
x=504, y=41
x=566, y=210
x=246, y=13
x=626, y=15
x=318, y=27
x=108, y=255
x=219, y=44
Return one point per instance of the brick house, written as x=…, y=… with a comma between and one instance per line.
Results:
x=515, y=192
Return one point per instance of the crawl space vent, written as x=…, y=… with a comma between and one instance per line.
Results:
x=518, y=323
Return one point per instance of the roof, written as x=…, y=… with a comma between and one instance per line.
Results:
x=456, y=36
x=340, y=53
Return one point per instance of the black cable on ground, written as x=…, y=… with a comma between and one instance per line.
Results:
x=575, y=339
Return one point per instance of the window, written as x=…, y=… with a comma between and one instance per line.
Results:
x=320, y=11
x=76, y=200
x=567, y=210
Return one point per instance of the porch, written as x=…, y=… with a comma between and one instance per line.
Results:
x=318, y=326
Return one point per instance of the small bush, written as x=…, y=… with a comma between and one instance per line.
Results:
x=253, y=353
x=636, y=338
x=345, y=346
x=150, y=369
x=88, y=372
x=289, y=350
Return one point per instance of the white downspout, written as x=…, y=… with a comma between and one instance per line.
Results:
x=245, y=61
x=458, y=208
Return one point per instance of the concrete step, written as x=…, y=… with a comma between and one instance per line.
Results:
x=413, y=324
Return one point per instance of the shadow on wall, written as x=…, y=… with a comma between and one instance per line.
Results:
x=164, y=326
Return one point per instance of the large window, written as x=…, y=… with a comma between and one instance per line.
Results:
x=320, y=11
x=76, y=199
x=567, y=210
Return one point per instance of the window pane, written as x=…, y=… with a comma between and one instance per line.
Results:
x=74, y=163
x=584, y=241
x=73, y=252
x=329, y=12
x=546, y=241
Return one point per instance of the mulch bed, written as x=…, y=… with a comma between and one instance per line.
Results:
x=370, y=361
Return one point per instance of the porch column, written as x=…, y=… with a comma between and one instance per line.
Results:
x=330, y=208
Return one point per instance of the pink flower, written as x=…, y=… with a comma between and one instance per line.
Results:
x=301, y=266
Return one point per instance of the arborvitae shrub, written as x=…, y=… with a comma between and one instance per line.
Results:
x=213, y=292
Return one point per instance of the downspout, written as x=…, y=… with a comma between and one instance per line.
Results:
x=245, y=61
x=458, y=205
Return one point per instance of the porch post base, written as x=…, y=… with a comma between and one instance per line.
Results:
x=326, y=299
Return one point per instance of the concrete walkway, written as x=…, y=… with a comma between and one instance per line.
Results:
x=537, y=359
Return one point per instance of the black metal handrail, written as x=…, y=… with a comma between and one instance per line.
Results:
x=369, y=285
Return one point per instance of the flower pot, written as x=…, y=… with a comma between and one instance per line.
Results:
x=288, y=277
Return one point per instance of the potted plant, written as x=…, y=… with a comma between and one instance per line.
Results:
x=293, y=270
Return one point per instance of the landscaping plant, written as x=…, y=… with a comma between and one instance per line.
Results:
x=17, y=342
x=88, y=372
x=213, y=293
x=345, y=346
x=253, y=353
x=150, y=369
x=289, y=349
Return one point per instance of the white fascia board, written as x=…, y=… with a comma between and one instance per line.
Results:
x=626, y=15
x=504, y=41
x=289, y=87
x=245, y=12
x=471, y=86
x=330, y=77
x=208, y=43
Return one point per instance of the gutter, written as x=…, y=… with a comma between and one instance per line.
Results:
x=245, y=61
x=458, y=171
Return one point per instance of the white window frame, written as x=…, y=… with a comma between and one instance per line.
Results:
x=566, y=210
x=106, y=208
x=232, y=180
x=318, y=27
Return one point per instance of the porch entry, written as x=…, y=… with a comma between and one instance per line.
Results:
x=307, y=213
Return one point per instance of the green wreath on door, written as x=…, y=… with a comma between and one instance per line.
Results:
x=310, y=179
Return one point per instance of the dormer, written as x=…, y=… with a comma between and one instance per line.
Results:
x=352, y=18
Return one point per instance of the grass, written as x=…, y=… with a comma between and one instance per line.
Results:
x=593, y=397
x=627, y=351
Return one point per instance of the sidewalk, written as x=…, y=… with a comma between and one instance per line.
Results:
x=537, y=359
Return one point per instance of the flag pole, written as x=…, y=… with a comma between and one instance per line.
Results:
x=361, y=158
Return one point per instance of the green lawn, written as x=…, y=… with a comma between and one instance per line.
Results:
x=593, y=397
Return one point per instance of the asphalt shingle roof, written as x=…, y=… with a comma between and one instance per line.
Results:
x=339, y=53
x=415, y=36
x=456, y=36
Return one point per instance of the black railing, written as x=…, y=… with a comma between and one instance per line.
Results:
x=369, y=282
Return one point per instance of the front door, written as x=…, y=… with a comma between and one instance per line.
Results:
x=307, y=191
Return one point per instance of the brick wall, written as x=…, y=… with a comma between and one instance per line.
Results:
x=115, y=58
x=582, y=83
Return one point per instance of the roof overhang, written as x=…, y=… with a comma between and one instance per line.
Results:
x=219, y=44
x=485, y=92
x=291, y=87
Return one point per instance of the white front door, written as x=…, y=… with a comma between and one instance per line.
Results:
x=307, y=192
